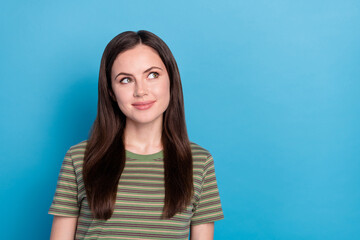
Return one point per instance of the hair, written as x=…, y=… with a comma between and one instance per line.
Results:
x=104, y=158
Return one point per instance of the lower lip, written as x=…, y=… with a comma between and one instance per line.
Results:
x=144, y=107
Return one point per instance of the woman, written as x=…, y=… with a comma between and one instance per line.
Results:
x=138, y=176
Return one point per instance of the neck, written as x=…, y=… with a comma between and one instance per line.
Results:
x=143, y=138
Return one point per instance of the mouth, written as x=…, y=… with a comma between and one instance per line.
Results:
x=143, y=105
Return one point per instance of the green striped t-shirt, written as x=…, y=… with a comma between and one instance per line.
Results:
x=139, y=200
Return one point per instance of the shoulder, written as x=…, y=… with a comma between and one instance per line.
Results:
x=77, y=151
x=199, y=153
x=79, y=147
x=198, y=150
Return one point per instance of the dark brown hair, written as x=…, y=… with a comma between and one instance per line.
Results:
x=104, y=158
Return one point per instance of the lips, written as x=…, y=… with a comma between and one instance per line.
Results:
x=143, y=105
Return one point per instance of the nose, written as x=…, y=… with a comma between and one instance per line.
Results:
x=140, y=89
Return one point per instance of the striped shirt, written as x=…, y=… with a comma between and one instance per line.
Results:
x=140, y=198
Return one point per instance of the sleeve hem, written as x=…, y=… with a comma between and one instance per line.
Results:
x=207, y=220
x=63, y=214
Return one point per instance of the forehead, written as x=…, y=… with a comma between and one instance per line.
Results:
x=136, y=59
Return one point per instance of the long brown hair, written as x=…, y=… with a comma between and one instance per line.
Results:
x=104, y=158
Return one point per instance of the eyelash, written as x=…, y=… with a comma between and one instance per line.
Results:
x=156, y=73
x=121, y=80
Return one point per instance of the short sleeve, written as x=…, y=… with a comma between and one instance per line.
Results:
x=65, y=201
x=208, y=208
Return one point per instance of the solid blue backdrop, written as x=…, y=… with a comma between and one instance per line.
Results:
x=271, y=89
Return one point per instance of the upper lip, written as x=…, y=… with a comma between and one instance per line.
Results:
x=142, y=103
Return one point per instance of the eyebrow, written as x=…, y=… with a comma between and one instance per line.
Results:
x=129, y=74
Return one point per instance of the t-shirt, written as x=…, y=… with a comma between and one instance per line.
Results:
x=139, y=199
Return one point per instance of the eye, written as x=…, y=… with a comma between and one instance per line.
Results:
x=153, y=75
x=125, y=80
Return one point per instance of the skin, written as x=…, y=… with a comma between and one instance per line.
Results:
x=202, y=231
x=63, y=228
x=146, y=79
x=137, y=75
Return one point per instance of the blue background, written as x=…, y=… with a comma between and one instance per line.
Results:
x=271, y=89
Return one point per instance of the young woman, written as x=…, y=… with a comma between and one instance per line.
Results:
x=138, y=176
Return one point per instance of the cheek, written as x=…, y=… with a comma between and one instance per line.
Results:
x=166, y=88
x=122, y=97
x=164, y=92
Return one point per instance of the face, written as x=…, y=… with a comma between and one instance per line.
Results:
x=141, y=85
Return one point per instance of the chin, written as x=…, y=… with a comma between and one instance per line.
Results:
x=145, y=120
